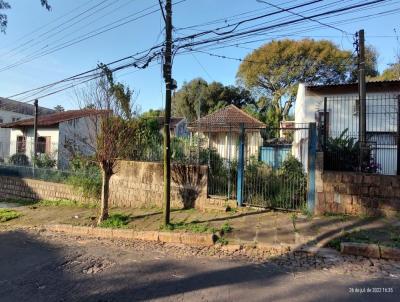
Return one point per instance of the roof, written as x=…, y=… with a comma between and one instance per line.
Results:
x=21, y=107
x=54, y=118
x=228, y=117
x=372, y=86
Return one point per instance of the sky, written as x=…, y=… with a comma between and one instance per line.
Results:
x=32, y=29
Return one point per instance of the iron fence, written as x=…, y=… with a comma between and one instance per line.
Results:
x=346, y=148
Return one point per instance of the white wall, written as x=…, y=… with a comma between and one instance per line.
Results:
x=78, y=136
x=342, y=115
x=7, y=117
x=29, y=133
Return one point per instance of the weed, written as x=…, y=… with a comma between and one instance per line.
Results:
x=226, y=228
x=338, y=216
x=116, y=221
x=306, y=211
x=222, y=241
x=187, y=227
x=6, y=215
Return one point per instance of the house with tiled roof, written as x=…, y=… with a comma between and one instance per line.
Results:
x=221, y=131
x=11, y=111
x=61, y=135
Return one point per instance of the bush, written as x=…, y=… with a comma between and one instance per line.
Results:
x=6, y=215
x=44, y=161
x=85, y=176
x=19, y=160
x=116, y=221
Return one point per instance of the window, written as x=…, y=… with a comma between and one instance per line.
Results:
x=21, y=144
x=43, y=145
x=321, y=121
x=1, y=121
x=14, y=119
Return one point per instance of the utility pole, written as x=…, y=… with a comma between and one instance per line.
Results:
x=362, y=91
x=35, y=135
x=168, y=97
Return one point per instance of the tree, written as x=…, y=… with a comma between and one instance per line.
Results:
x=3, y=17
x=208, y=97
x=59, y=108
x=274, y=71
x=112, y=136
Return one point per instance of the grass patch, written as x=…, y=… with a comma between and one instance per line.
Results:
x=6, y=215
x=338, y=216
x=116, y=221
x=196, y=227
x=222, y=241
x=52, y=203
x=385, y=237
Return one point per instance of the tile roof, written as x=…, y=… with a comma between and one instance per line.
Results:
x=54, y=118
x=228, y=117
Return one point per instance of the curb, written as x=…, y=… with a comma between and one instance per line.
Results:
x=167, y=237
x=370, y=250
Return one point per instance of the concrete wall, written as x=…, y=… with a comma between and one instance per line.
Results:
x=356, y=193
x=136, y=184
x=140, y=184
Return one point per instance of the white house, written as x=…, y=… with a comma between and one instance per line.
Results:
x=60, y=135
x=12, y=111
x=221, y=130
x=342, y=113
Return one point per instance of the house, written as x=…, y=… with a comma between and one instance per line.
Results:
x=60, y=135
x=12, y=111
x=178, y=126
x=342, y=114
x=221, y=131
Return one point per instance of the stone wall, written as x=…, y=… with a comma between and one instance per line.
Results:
x=141, y=184
x=136, y=184
x=356, y=193
x=24, y=188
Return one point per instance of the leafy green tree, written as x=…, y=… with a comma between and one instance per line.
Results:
x=208, y=97
x=3, y=17
x=391, y=73
x=274, y=71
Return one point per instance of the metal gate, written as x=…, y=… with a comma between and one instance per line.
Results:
x=277, y=178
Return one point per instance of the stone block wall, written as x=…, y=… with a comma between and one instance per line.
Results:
x=356, y=193
x=141, y=184
x=136, y=184
x=24, y=188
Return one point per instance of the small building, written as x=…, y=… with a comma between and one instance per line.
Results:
x=342, y=112
x=12, y=111
x=60, y=135
x=221, y=131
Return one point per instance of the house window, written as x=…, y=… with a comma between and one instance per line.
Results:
x=321, y=121
x=14, y=119
x=1, y=121
x=21, y=144
x=44, y=145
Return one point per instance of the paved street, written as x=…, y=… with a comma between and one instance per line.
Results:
x=52, y=267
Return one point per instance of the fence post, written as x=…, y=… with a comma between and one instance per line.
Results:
x=312, y=152
x=398, y=135
x=325, y=122
x=240, y=172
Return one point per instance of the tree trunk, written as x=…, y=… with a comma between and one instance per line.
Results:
x=105, y=187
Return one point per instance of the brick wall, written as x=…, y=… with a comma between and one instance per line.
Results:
x=356, y=193
x=15, y=187
x=136, y=184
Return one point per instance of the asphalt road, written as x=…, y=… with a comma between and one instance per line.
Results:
x=50, y=267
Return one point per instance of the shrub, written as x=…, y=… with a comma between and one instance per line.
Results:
x=86, y=176
x=116, y=221
x=19, y=159
x=44, y=161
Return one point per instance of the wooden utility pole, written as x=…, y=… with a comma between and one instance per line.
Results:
x=168, y=98
x=35, y=135
x=362, y=91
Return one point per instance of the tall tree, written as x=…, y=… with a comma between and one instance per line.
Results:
x=5, y=5
x=59, y=108
x=274, y=71
x=207, y=97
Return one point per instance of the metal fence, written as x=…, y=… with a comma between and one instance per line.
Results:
x=346, y=148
